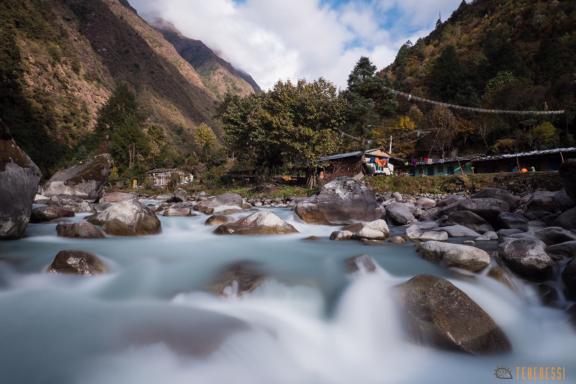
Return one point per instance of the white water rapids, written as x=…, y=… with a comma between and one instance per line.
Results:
x=150, y=321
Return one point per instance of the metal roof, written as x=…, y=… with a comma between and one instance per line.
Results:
x=352, y=154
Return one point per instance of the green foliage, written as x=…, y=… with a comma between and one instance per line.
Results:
x=291, y=125
x=206, y=143
x=544, y=135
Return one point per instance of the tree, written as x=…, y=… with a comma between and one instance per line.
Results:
x=444, y=129
x=544, y=135
x=205, y=142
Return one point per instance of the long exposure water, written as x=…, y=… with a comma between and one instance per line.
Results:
x=152, y=320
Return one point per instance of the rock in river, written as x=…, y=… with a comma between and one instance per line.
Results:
x=127, y=218
x=19, y=178
x=238, y=278
x=374, y=230
x=437, y=313
x=49, y=213
x=85, y=180
x=81, y=230
x=259, y=223
x=340, y=202
x=77, y=263
x=527, y=257
x=455, y=255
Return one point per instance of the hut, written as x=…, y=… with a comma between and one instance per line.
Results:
x=545, y=160
x=161, y=177
x=372, y=162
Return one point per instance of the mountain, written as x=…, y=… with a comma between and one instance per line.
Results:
x=218, y=75
x=498, y=54
x=62, y=60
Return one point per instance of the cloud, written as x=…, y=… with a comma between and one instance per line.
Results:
x=280, y=39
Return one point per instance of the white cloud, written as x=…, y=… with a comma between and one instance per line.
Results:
x=293, y=39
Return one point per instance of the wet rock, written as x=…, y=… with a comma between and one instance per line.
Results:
x=437, y=313
x=468, y=219
x=487, y=208
x=374, y=230
x=238, y=279
x=340, y=202
x=85, y=180
x=562, y=250
x=426, y=231
x=49, y=213
x=425, y=203
x=259, y=223
x=398, y=240
x=400, y=214
x=500, y=194
x=569, y=278
x=72, y=203
x=433, y=235
x=526, y=257
x=218, y=220
x=220, y=202
x=127, y=218
x=455, y=255
x=502, y=233
x=362, y=263
x=502, y=276
x=555, y=235
x=459, y=231
x=19, y=178
x=312, y=238
x=116, y=197
x=568, y=177
x=488, y=236
x=549, y=295
x=177, y=211
x=542, y=203
x=567, y=219
x=81, y=230
x=512, y=220
x=77, y=263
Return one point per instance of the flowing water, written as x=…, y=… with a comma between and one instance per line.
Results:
x=151, y=320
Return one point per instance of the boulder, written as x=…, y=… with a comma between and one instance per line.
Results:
x=238, y=279
x=19, y=178
x=527, y=257
x=433, y=235
x=116, y=197
x=81, y=230
x=513, y=220
x=555, y=235
x=400, y=213
x=459, y=231
x=568, y=177
x=127, y=218
x=397, y=196
x=85, y=180
x=72, y=203
x=220, y=202
x=218, y=220
x=437, y=313
x=468, y=219
x=567, y=219
x=562, y=250
x=500, y=194
x=546, y=202
x=340, y=202
x=425, y=203
x=259, y=223
x=398, y=240
x=487, y=236
x=177, y=210
x=77, y=263
x=49, y=213
x=362, y=263
x=455, y=255
x=503, y=276
x=487, y=208
x=374, y=230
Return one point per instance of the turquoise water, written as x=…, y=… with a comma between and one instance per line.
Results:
x=151, y=320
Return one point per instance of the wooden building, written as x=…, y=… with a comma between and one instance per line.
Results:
x=372, y=162
x=161, y=177
x=534, y=161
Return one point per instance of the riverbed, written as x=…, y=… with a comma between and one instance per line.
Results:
x=153, y=320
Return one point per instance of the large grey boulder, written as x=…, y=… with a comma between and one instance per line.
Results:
x=568, y=176
x=49, y=213
x=567, y=219
x=127, y=218
x=77, y=263
x=340, y=202
x=237, y=279
x=373, y=230
x=513, y=220
x=468, y=219
x=500, y=194
x=459, y=231
x=220, y=203
x=400, y=213
x=81, y=230
x=555, y=235
x=85, y=180
x=562, y=250
x=259, y=223
x=527, y=257
x=437, y=313
x=72, y=203
x=19, y=178
x=116, y=197
x=455, y=255
x=487, y=208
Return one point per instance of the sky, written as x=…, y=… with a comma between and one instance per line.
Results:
x=276, y=40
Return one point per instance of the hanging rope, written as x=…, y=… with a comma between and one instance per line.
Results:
x=411, y=97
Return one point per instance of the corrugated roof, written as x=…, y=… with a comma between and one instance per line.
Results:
x=342, y=155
